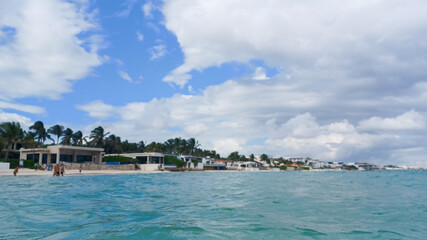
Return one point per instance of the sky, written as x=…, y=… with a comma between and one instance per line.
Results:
x=332, y=80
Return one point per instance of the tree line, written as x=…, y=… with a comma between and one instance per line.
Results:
x=11, y=133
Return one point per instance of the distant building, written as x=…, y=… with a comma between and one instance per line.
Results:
x=62, y=154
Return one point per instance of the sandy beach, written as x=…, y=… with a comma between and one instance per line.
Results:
x=75, y=172
x=32, y=172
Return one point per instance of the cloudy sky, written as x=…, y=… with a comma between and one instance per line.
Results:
x=333, y=80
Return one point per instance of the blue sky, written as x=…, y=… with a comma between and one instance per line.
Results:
x=333, y=80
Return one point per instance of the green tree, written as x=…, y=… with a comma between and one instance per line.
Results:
x=11, y=133
x=40, y=131
x=113, y=144
x=56, y=130
x=192, y=145
x=234, y=156
x=77, y=138
x=243, y=158
x=141, y=146
x=154, y=147
x=68, y=135
x=264, y=157
x=252, y=157
x=129, y=147
x=97, y=137
x=30, y=142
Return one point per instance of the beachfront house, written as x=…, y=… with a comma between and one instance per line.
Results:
x=62, y=154
x=192, y=162
x=148, y=161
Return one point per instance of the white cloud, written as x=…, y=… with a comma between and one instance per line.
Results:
x=13, y=117
x=158, y=51
x=147, y=9
x=359, y=39
x=226, y=117
x=260, y=74
x=411, y=120
x=22, y=107
x=128, y=4
x=139, y=36
x=348, y=70
x=124, y=75
x=36, y=61
x=97, y=109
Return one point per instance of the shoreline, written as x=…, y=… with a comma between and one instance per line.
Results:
x=74, y=172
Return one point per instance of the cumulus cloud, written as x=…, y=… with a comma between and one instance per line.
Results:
x=362, y=38
x=228, y=116
x=260, y=74
x=36, y=61
x=411, y=120
x=350, y=73
x=13, y=117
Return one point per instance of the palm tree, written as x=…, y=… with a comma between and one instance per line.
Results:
x=78, y=138
x=68, y=134
x=11, y=133
x=113, y=144
x=192, y=145
x=30, y=142
x=141, y=146
x=56, y=130
x=97, y=135
x=40, y=131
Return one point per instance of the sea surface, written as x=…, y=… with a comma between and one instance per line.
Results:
x=218, y=205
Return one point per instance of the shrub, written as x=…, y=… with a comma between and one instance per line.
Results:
x=120, y=159
x=305, y=168
x=15, y=162
x=174, y=160
x=283, y=167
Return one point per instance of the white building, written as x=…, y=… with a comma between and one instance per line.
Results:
x=62, y=154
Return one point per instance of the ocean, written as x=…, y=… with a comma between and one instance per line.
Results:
x=217, y=205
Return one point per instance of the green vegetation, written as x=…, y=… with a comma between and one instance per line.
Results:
x=283, y=168
x=264, y=157
x=120, y=159
x=173, y=160
x=12, y=134
x=195, y=162
x=15, y=162
x=305, y=168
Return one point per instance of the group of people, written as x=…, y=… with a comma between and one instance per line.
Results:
x=58, y=170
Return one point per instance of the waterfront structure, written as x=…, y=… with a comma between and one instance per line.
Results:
x=62, y=154
x=148, y=161
x=145, y=157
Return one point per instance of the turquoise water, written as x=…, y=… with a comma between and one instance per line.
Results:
x=264, y=205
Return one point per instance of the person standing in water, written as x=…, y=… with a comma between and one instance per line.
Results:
x=55, y=170
x=62, y=170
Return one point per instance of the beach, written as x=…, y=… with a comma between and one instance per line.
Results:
x=73, y=172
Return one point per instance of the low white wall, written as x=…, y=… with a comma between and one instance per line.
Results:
x=149, y=167
x=4, y=166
